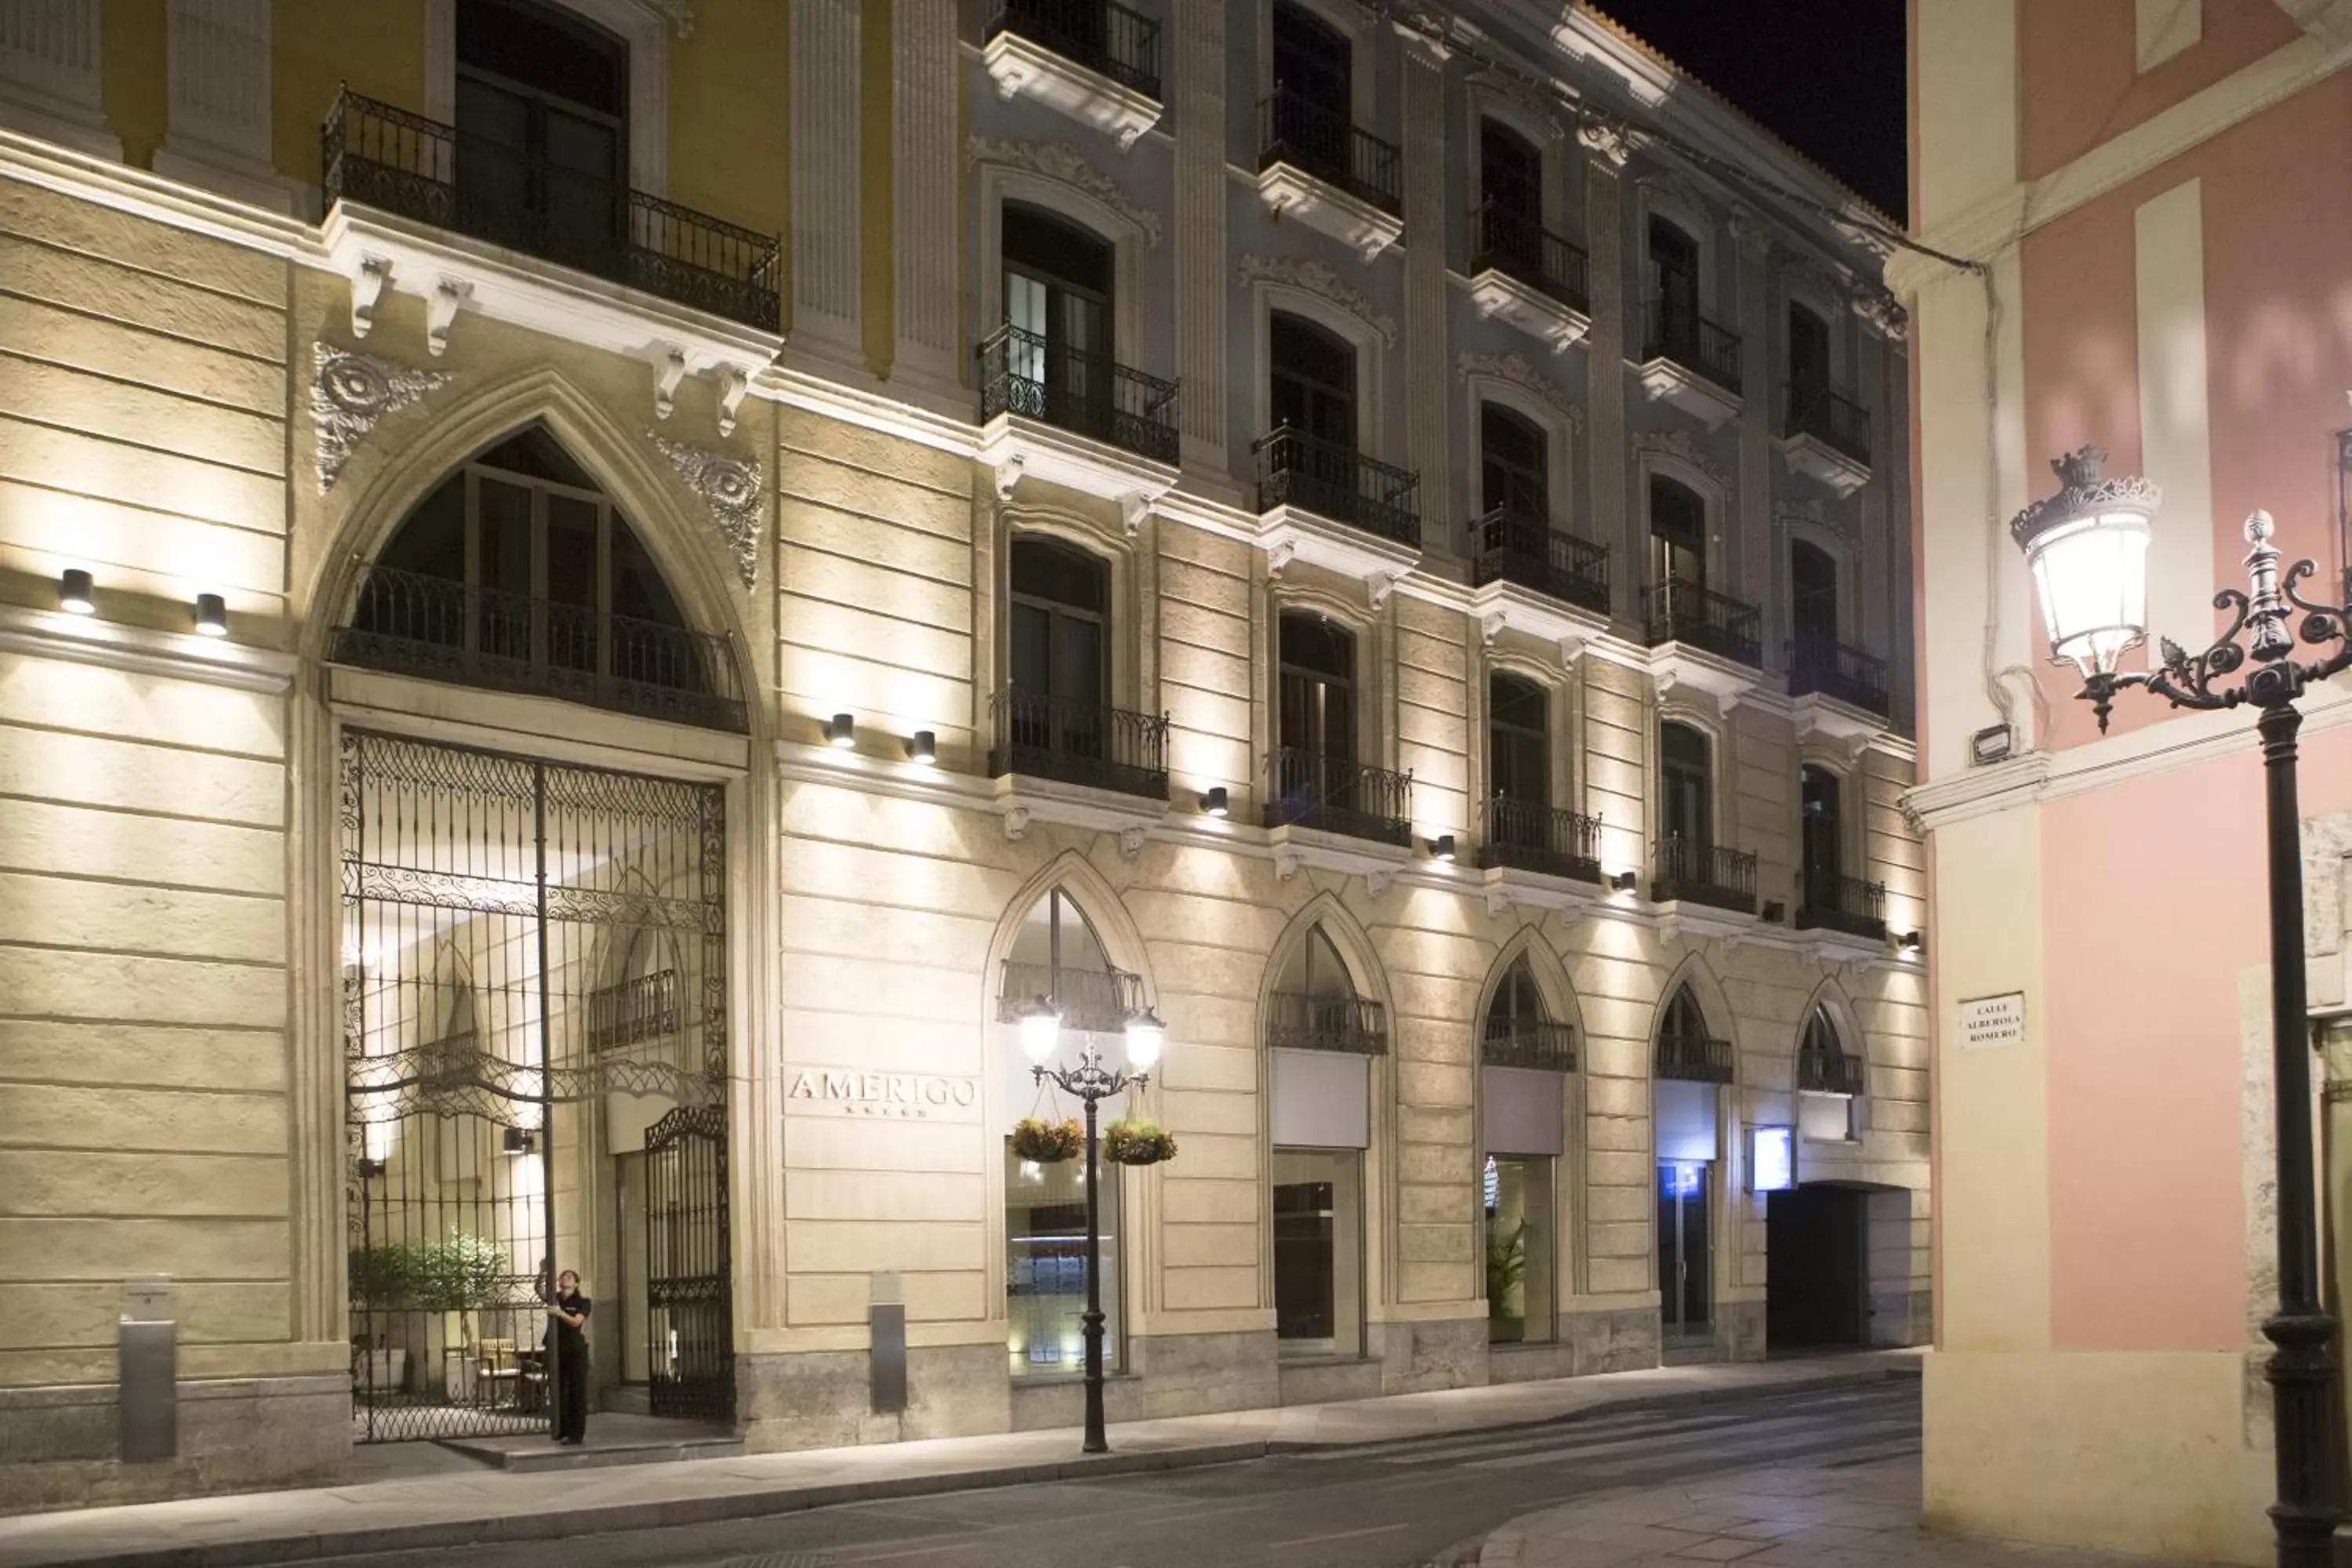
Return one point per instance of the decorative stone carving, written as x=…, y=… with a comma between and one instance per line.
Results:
x=1286, y=864
x=1317, y=278
x=1379, y=586
x=350, y=395
x=1813, y=513
x=1680, y=444
x=730, y=487
x=449, y=297
x=1517, y=371
x=1511, y=88
x=678, y=12
x=1881, y=312
x=1016, y=823
x=1061, y=162
x=668, y=376
x=1611, y=141
x=367, y=288
x=1678, y=191
x=1377, y=882
x=1130, y=843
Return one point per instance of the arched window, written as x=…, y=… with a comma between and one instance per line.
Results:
x=1054, y=720
x=1677, y=534
x=1824, y=1065
x=1686, y=1048
x=1824, y=832
x=1812, y=598
x=1513, y=463
x=1321, y=1035
x=1518, y=747
x=1056, y=956
x=1057, y=318
x=1315, y=779
x=542, y=133
x=1510, y=204
x=1313, y=388
x=1686, y=789
x=1673, y=291
x=519, y=574
x=1519, y=1029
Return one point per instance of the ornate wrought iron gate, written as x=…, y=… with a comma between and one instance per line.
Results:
x=532, y=952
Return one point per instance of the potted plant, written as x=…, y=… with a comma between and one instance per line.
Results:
x=1133, y=1141
x=1506, y=1265
x=383, y=1280
x=1048, y=1143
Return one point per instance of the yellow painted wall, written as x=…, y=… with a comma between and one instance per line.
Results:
x=130, y=56
x=378, y=48
x=730, y=113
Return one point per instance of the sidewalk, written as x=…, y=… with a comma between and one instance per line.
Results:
x=476, y=1505
x=1777, y=1515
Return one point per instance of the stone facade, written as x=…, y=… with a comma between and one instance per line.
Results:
x=207, y=396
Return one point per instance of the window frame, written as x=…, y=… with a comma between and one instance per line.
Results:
x=641, y=27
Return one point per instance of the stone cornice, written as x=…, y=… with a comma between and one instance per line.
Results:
x=175, y=656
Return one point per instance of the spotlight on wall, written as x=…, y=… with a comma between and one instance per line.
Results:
x=1776, y=911
x=368, y=1167
x=1622, y=882
x=841, y=731
x=212, y=616
x=1912, y=941
x=924, y=748
x=73, y=592
x=1216, y=802
x=1442, y=849
x=518, y=1140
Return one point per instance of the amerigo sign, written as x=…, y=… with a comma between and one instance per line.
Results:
x=848, y=1091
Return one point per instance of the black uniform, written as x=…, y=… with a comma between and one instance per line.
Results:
x=571, y=1347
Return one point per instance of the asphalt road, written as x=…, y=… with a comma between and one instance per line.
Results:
x=1402, y=1505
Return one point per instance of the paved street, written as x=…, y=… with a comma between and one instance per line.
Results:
x=1391, y=1505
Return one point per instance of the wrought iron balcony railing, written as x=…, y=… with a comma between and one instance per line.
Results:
x=1678, y=332
x=1833, y=669
x=1831, y=1072
x=416, y=168
x=1537, y=1043
x=1103, y=748
x=1090, y=394
x=1519, y=246
x=1531, y=836
x=1096, y=1000
x=1703, y=874
x=1100, y=35
x=1323, y=142
x=410, y=624
x=1841, y=903
x=1337, y=482
x=1677, y=611
x=1694, y=1059
x=634, y=1011
x=1510, y=547
x=1297, y=1022
x=1839, y=422
x=1306, y=789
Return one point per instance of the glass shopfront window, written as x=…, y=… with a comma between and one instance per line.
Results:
x=1046, y=1264
x=1318, y=1266
x=1519, y=1257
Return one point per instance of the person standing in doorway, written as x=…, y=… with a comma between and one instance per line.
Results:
x=567, y=1336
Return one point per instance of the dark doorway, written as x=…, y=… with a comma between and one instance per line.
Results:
x=1685, y=1258
x=542, y=132
x=1816, y=1259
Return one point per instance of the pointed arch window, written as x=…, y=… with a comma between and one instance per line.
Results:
x=1056, y=956
x=1824, y=1065
x=1686, y=1048
x=519, y=574
x=1520, y=1031
x=1314, y=1007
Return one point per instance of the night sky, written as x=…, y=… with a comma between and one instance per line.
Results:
x=1827, y=76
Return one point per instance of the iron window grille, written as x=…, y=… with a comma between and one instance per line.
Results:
x=380, y=156
x=1838, y=669
x=1531, y=836
x=1093, y=1000
x=1509, y=546
x=1690, y=872
x=1091, y=395
x=1307, y=789
x=1296, y=1021
x=1324, y=143
x=1841, y=903
x=1335, y=481
x=1519, y=246
x=1684, y=612
x=634, y=1011
x=1079, y=744
x=1103, y=36
x=1674, y=331
x=1830, y=1072
x=1839, y=422
x=1694, y=1059
x=1537, y=1043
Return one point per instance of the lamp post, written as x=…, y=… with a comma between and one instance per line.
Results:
x=2087, y=548
x=1092, y=1082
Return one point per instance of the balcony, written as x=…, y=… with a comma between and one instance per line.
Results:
x=1690, y=362
x=1534, y=1042
x=1319, y=167
x=1528, y=276
x=1097, y=748
x=1829, y=668
x=1330, y=480
x=1306, y=789
x=1828, y=439
x=1847, y=905
x=1095, y=1001
x=1028, y=381
x=633, y=1012
x=1675, y=611
x=1683, y=872
x=408, y=624
x=1526, y=835
x=1831, y=1072
x=1094, y=60
x=404, y=164
x=1295, y=1021
x=1510, y=547
x=1694, y=1059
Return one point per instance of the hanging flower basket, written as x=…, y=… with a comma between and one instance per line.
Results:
x=1135, y=1142
x=1048, y=1143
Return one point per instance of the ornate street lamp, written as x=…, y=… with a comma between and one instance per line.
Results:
x=2087, y=546
x=1041, y=1028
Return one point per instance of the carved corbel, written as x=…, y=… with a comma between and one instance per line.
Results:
x=734, y=381
x=449, y=296
x=1016, y=823
x=1571, y=648
x=1377, y=882
x=1130, y=843
x=1490, y=626
x=1008, y=473
x=1285, y=865
x=367, y=287
x=1499, y=900
x=1132, y=511
x=666, y=382
x=1380, y=586
x=1280, y=556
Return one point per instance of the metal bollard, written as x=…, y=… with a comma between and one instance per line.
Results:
x=887, y=1320
x=147, y=1368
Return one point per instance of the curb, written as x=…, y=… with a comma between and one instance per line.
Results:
x=1500, y=1551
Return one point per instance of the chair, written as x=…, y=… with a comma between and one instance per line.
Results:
x=501, y=1374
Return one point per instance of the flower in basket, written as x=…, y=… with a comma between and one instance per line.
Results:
x=1048, y=1143
x=1134, y=1141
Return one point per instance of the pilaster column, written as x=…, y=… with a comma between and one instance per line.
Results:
x=1612, y=521
x=1758, y=572
x=924, y=169
x=824, y=175
x=1203, y=287
x=1426, y=297
x=1874, y=587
